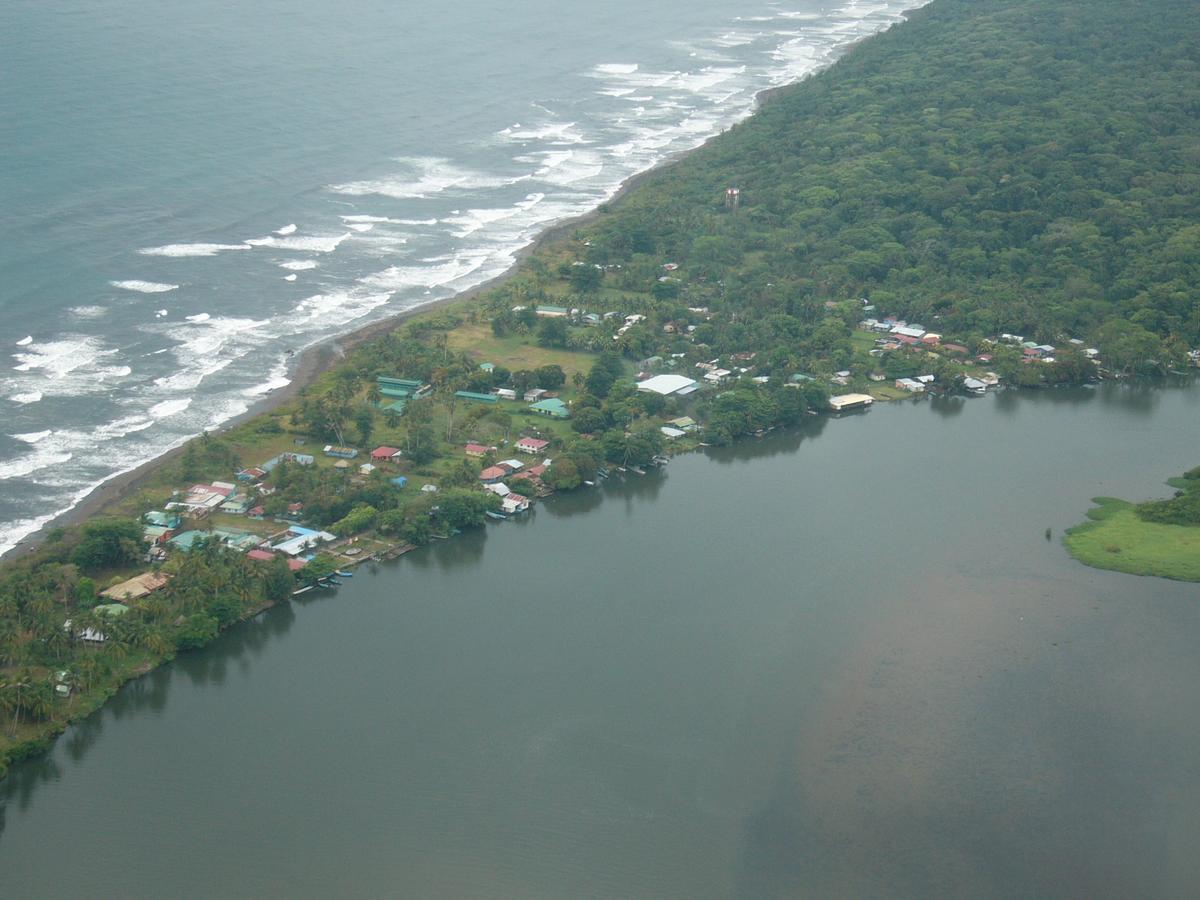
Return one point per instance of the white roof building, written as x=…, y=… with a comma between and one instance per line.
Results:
x=668, y=385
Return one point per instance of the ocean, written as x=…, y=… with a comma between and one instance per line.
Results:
x=195, y=191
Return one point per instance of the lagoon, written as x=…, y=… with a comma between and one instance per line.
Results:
x=840, y=661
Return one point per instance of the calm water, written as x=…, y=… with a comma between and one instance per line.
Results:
x=191, y=188
x=840, y=662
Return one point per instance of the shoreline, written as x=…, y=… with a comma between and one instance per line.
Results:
x=314, y=361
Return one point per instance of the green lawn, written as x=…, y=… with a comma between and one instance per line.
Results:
x=514, y=351
x=1116, y=538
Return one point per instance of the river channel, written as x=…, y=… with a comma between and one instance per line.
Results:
x=841, y=661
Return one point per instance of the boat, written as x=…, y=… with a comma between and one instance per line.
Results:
x=342, y=574
x=491, y=514
x=637, y=470
x=590, y=483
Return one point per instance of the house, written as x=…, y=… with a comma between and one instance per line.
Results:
x=254, y=473
x=299, y=540
x=340, y=452
x=366, y=469
x=400, y=481
x=958, y=349
x=260, y=555
x=908, y=331
x=188, y=539
x=137, y=587
x=670, y=433
x=505, y=393
x=157, y=534
x=909, y=384
x=236, y=505
x=668, y=385
x=492, y=474
x=532, y=445
x=476, y=451
x=974, y=385
x=487, y=367
x=476, y=397
x=926, y=379
x=552, y=312
x=930, y=337
x=533, y=395
x=499, y=488
x=514, y=503
x=850, y=401
x=552, y=407
x=385, y=454
x=683, y=423
x=512, y=465
x=300, y=459
x=429, y=489
x=294, y=509
x=717, y=376
x=342, y=464
x=162, y=519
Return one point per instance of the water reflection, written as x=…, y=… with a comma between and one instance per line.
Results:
x=948, y=406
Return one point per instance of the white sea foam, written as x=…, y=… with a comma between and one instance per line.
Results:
x=434, y=272
x=299, y=265
x=28, y=397
x=25, y=341
x=422, y=177
x=170, y=407
x=286, y=230
x=32, y=462
x=88, y=312
x=276, y=378
x=291, y=277
x=616, y=68
x=360, y=226
x=371, y=219
x=32, y=437
x=191, y=249
x=160, y=313
x=199, y=317
x=314, y=244
x=556, y=133
x=57, y=359
x=145, y=287
x=339, y=307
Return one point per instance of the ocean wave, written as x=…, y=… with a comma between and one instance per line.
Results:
x=32, y=462
x=423, y=177
x=59, y=358
x=299, y=265
x=616, y=68
x=555, y=133
x=291, y=277
x=314, y=244
x=26, y=398
x=170, y=407
x=145, y=287
x=373, y=220
x=198, y=318
x=338, y=308
x=277, y=378
x=32, y=437
x=286, y=230
x=182, y=250
x=88, y=312
x=25, y=341
x=360, y=226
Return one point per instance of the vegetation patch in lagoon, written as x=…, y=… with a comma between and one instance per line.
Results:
x=1159, y=537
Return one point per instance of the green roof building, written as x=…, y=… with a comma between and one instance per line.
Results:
x=553, y=407
x=478, y=398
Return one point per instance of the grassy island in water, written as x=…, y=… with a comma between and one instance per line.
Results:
x=994, y=192
x=1157, y=537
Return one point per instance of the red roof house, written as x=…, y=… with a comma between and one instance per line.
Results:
x=262, y=555
x=532, y=445
x=383, y=454
x=492, y=474
x=476, y=450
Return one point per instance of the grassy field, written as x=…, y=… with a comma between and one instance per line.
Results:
x=1117, y=539
x=514, y=351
